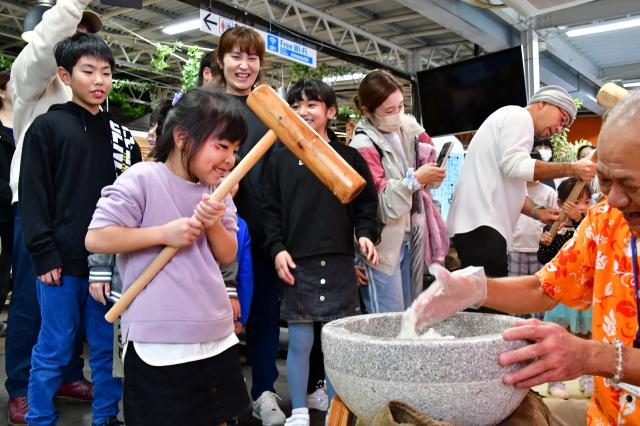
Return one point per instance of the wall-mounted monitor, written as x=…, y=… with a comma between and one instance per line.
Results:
x=457, y=98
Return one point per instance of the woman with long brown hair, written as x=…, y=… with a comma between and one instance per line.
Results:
x=389, y=140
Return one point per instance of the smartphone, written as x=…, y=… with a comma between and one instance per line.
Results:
x=444, y=154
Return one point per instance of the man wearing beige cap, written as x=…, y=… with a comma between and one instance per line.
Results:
x=491, y=192
x=35, y=87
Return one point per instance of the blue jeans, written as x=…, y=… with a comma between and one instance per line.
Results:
x=24, y=320
x=64, y=309
x=263, y=332
x=389, y=293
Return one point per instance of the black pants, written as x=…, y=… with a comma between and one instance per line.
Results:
x=486, y=247
x=199, y=393
x=6, y=237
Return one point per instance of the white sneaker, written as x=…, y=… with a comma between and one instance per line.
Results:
x=559, y=390
x=266, y=409
x=299, y=417
x=318, y=400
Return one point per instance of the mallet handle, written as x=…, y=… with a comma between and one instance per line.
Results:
x=168, y=252
x=573, y=196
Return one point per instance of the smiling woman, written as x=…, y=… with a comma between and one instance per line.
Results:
x=240, y=53
x=389, y=141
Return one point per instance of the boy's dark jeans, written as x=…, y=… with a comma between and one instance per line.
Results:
x=6, y=236
x=263, y=331
x=24, y=319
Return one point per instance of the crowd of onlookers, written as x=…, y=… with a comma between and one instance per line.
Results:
x=83, y=215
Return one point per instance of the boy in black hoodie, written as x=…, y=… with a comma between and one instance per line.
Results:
x=68, y=157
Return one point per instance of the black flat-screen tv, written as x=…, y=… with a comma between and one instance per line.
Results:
x=457, y=98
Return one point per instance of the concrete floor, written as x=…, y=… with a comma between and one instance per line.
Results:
x=77, y=414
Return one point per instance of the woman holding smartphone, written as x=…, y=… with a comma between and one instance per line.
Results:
x=402, y=167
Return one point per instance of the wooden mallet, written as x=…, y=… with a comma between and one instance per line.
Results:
x=608, y=95
x=573, y=196
x=295, y=134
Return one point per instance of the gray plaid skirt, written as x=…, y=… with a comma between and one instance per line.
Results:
x=325, y=289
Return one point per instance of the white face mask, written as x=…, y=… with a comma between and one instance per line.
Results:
x=387, y=123
x=546, y=154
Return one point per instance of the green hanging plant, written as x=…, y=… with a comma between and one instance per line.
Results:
x=5, y=63
x=120, y=96
x=159, y=59
x=191, y=68
x=345, y=113
x=303, y=72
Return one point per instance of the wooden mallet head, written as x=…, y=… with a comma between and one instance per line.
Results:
x=609, y=95
x=305, y=143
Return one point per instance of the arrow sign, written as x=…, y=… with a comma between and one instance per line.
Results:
x=209, y=22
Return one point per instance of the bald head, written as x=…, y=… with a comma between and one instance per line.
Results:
x=618, y=159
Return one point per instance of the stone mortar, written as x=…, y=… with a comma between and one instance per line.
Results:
x=457, y=380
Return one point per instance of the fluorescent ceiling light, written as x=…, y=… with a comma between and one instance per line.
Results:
x=601, y=28
x=191, y=24
x=345, y=77
x=632, y=84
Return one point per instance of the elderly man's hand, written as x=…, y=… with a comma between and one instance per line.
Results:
x=554, y=355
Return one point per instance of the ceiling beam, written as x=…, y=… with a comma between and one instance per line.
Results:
x=620, y=72
x=367, y=50
x=478, y=25
x=554, y=71
x=381, y=21
x=348, y=5
x=562, y=50
x=587, y=13
x=560, y=64
x=424, y=33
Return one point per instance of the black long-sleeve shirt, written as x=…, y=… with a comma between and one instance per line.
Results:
x=68, y=156
x=250, y=194
x=302, y=216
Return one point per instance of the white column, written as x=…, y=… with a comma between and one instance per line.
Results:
x=531, y=61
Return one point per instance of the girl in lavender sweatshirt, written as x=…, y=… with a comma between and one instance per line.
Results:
x=180, y=358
